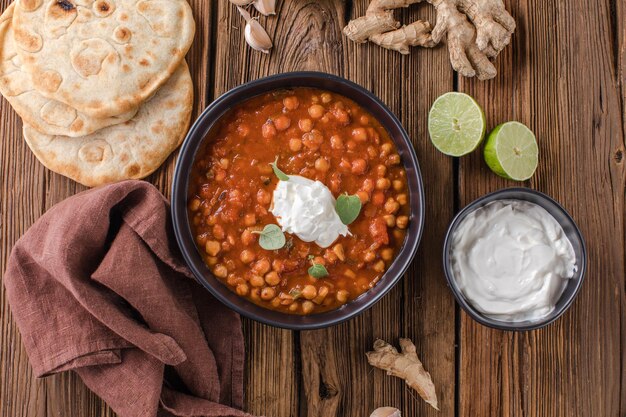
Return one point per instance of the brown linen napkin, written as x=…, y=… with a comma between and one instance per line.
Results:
x=97, y=285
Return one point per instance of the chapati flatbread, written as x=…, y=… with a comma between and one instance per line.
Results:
x=46, y=115
x=129, y=150
x=101, y=57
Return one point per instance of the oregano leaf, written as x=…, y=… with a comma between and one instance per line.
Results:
x=348, y=208
x=318, y=271
x=271, y=237
x=280, y=174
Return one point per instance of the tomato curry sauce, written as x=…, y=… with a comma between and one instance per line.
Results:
x=318, y=135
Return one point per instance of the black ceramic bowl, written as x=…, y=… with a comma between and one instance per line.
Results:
x=571, y=231
x=195, y=138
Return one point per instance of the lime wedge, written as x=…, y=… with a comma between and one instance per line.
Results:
x=511, y=151
x=456, y=124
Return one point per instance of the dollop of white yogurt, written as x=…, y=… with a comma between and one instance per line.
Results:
x=511, y=260
x=306, y=208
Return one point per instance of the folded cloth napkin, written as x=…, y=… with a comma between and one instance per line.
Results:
x=97, y=285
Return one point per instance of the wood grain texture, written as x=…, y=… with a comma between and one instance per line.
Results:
x=560, y=78
x=28, y=190
x=563, y=76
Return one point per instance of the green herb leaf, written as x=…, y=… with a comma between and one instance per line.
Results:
x=318, y=271
x=280, y=174
x=271, y=237
x=348, y=208
x=310, y=257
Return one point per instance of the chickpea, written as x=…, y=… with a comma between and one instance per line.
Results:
x=257, y=281
x=316, y=111
x=363, y=196
x=349, y=273
x=378, y=198
x=305, y=125
x=342, y=296
x=293, y=307
x=321, y=295
x=359, y=166
x=295, y=144
x=402, y=199
x=220, y=175
x=255, y=293
x=335, y=183
x=319, y=260
x=194, y=204
x=272, y=278
x=402, y=222
x=291, y=102
x=307, y=307
x=336, y=142
x=268, y=130
x=322, y=164
x=398, y=234
x=351, y=145
x=212, y=247
x=383, y=184
x=330, y=257
x=246, y=256
x=364, y=120
x=249, y=219
x=247, y=237
x=386, y=254
x=278, y=265
x=391, y=206
x=220, y=271
x=390, y=219
x=218, y=232
x=275, y=302
x=359, y=134
x=326, y=98
x=224, y=163
x=369, y=256
x=263, y=197
x=261, y=266
x=379, y=266
x=309, y=292
x=386, y=148
x=282, y=122
x=232, y=280
x=372, y=152
x=368, y=185
x=339, y=251
x=242, y=290
x=381, y=170
x=342, y=116
x=313, y=139
x=211, y=260
x=394, y=159
x=398, y=185
x=226, y=246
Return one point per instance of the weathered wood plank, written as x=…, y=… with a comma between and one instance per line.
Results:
x=28, y=190
x=560, y=79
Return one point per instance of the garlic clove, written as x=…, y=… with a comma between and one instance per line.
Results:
x=386, y=412
x=255, y=35
x=242, y=2
x=265, y=7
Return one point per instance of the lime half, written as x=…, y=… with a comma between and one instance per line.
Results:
x=456, y=124
x=511, y=151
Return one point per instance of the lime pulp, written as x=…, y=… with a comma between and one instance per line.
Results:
x=511, y=151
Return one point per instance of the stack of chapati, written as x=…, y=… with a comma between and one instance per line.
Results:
x=101, y=85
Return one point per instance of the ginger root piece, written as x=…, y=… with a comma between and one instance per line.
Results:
x=405, y=365
x=379, y=26
x=386, y=412
x=471, y=42
x=476, y=31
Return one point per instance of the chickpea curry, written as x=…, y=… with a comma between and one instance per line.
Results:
x=312, y=135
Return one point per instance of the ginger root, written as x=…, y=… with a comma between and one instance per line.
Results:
x=379, y=26
x=476, y=31
x=405, y=365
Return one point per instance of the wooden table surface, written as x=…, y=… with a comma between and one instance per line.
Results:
x=563, y=76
